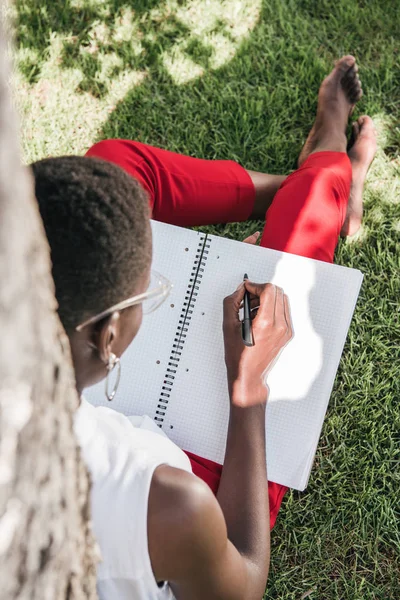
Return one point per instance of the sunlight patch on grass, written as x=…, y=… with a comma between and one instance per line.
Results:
x=360, y=235
x=180, y=67
x=205, y=35
x=111, y=63
x=100, y=33
x=203, y=16
x=383, y=179
x=375, y=215
x=339, y=538
x=57, y=118
x=89, y=3
x=384, y=125
x=223, y=49
x=126, y=29
x=220, y=25
x=26, y=59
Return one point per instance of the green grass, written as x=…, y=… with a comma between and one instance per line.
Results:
x=238, y=79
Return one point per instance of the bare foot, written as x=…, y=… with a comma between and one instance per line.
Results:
x=337, y=96
x=361, y=155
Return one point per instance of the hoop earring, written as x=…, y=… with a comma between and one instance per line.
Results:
x=113, y=361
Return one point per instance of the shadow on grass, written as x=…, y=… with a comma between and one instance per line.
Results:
x=86, y=30
x=338, y=538
x=257, y=108
x=134, y=35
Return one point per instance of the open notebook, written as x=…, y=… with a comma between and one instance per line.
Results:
x=174, y=370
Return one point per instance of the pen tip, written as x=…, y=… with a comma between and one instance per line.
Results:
x=245, y=276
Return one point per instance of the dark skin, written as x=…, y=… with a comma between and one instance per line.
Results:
x=265, y=186
x=208, y=547
x=92, y=346
x=219, y=547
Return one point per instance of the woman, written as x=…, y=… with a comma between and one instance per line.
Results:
x=154, y=520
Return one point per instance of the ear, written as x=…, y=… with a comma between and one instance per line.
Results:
x=107, y=336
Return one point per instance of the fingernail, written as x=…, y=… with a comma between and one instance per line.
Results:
x=257, y=234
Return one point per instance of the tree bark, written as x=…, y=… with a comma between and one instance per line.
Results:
x=46, y=545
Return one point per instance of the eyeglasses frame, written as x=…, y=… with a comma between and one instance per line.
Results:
x=162, y=290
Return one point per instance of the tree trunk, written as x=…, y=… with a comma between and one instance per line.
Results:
x=46, y=545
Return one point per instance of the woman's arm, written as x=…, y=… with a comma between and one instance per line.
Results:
x=219, y=549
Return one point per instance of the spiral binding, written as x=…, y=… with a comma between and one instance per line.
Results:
x=183, y=327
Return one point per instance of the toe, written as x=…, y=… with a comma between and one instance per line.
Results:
x=342, y=66
x=346, y=62
x=350, y=78
x=352, y=87
x=358, y=94
x=355, y=95
x=365, y=120
x=367, y=125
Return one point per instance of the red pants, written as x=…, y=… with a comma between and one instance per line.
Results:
x=305, y=217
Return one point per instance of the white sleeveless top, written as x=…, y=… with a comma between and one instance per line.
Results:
x=121, y=459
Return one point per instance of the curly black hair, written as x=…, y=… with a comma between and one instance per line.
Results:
x=96, y=219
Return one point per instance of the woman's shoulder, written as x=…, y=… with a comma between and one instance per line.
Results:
x=108, y=438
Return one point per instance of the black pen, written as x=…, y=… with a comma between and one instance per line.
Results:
x=247, y=334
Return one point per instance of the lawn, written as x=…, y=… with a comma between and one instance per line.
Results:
x=238, y=79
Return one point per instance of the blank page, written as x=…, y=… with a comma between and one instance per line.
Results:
x=322, y=298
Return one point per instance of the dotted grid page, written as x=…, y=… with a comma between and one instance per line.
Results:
x=144, y=363
x=322, y=298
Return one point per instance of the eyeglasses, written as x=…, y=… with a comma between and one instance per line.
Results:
x=158, y=290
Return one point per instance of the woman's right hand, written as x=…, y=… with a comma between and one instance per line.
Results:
x=247, y=366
